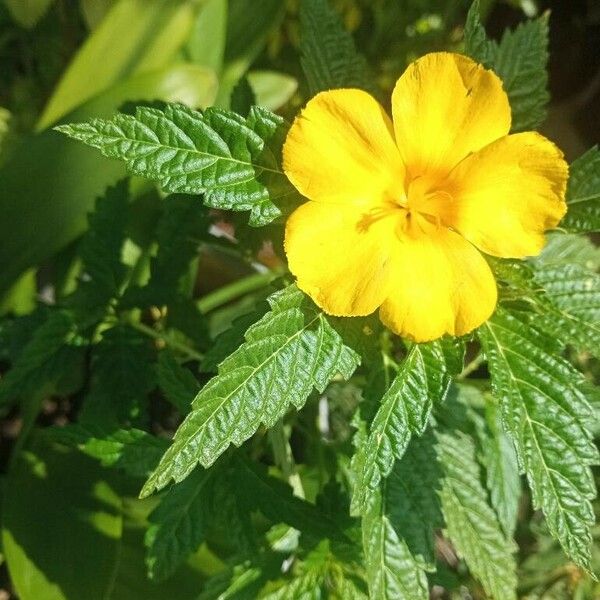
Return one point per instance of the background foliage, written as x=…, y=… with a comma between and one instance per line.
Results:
x=178, y=419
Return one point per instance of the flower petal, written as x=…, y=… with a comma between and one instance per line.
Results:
x=339, y=257
x=446, y=106
x=341, y=148
x=441, y=284
x=505, y=196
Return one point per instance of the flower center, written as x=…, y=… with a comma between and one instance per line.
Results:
x=420, y=207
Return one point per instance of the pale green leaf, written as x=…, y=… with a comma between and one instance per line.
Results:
x=471, y=524
x=234, y=162
x=583, y=194
x=290, y=351
x=136, y=36
x=543, y=407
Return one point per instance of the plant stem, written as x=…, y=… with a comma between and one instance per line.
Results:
x=472, y=366
x=157, y=335
x=234, y=290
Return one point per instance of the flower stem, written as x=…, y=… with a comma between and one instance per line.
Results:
x=234, y=290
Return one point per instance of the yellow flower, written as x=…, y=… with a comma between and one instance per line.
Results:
x=398, y=213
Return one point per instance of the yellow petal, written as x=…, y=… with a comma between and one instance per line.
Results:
x=441, y=284
x=340, y=256
x=341, y=148
x=446, y=106
x=504, y=197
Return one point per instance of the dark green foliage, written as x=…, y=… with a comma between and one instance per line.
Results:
x=583, y=194
x=329, y=57
x=520, y=59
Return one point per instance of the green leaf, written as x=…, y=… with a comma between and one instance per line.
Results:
x=574, y=293
x=501, y=467
x=101, y=534
x=404, y=410
x=132, y=450
x=234, y=162
x=230, y=339
x=136, y=36
x=329, y=57
x=55, y=181
x=100, y=252
x=122, y=375
x=177, y=383
x=583, y=194
x=398, y=528
x=477, y=44
x=471, y=524
x=564, y=248
x=272, y=89
x=565, y=299
x=43, y=361
x=184, y=223
x=242, y=97
x=542, y=407
x=28, y=12
x=520, y=60
x=290, y=351
x=177, y=525
x=275, y=499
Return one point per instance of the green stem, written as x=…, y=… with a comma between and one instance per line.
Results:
x=157, y=335
x=234, y=290
x=472, y=366
x=283, y=456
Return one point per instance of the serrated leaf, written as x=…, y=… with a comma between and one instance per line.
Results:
x=564, y=248
x=234, y=162
x=583, y=194
x=122, y=375
x=471, y=524
x=501, y=467
x=403, y=412
x=230, y=339
x=177, y=525
x=565, y=299
x=100, y=252
x=398, y=527
x=134, y=451
x=42, y=360
x=182, y=226
x=477, y=44
x=328, y=55
x=542, y=407
x=574, y=292
x=276, y=501
x=290, y=351
x=242, y=97
x=177, y=383
x=520, y=60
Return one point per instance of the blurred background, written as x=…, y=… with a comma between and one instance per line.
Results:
x=71, y=60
